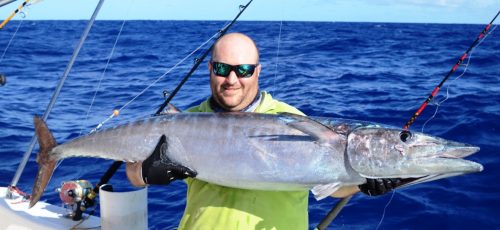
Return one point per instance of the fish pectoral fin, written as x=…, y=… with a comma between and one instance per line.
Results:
x=160, y=154
x=324, y=190
x=313, y=128
x=160, y=149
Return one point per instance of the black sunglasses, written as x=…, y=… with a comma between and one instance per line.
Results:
x=223, y=69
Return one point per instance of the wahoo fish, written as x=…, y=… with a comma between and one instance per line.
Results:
x=283, y=152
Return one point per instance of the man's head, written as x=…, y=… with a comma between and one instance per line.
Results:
x=234, y=93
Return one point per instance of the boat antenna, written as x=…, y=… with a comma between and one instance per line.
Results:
x=405, y=133
x=198, y=61
x=26, y=155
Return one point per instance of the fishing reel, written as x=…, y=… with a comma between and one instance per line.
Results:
x=77, y=196
x=3, y=79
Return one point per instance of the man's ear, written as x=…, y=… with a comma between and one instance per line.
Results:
x=258, y=69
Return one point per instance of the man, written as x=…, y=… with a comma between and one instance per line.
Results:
x=234, y=75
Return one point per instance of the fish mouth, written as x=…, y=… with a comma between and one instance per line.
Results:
x=448, y=162
x=452, y=165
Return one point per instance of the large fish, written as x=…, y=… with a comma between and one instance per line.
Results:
x=267, y=152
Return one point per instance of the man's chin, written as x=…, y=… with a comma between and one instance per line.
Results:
x=229, y=104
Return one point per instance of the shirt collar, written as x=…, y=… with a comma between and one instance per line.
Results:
x=250, y=108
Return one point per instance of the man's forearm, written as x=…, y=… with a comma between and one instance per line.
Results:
x=345, y=191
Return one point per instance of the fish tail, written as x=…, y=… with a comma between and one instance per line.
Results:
x=46, y=164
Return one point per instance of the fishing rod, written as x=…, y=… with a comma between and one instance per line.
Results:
x=200, y=60
x=405, y=133
x=333, y=213
x=24, y=4
x=26, y=155
x=114, y=167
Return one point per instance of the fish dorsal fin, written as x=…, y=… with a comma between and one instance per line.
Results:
x=171, y=109
x=315, y=129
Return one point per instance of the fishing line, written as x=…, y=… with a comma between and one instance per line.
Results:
x=117, y=111
x=105, y=68
x=102, y=76
x=466, y=66
x=11, y=39
x=385, y=209
x=277, y=60
x=438, y=103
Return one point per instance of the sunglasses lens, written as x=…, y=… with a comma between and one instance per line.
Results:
x=245, y=70
x=221, y=69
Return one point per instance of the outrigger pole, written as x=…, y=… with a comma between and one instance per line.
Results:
x=114, y=167
x=405, y=134
x=22, y=165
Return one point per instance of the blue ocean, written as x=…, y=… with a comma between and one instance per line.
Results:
x=379, y=72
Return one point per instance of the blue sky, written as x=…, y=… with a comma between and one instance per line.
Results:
x=438, y=11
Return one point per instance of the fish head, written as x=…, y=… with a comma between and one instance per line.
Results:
x=378, y=152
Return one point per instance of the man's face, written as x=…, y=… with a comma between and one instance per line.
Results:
x=233, y=93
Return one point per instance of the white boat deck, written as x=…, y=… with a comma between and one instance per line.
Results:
x=14, y=214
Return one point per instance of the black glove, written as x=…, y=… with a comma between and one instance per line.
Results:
x=375, y=187
x=158, y=169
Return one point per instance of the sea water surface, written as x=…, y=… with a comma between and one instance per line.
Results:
x=368, y=71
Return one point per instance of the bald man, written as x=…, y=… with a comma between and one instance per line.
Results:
x=234, y=81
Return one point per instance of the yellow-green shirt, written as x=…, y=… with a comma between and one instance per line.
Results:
x=211, y=206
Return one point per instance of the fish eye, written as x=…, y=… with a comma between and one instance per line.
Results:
x=405, y=135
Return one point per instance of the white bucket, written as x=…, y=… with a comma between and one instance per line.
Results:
x=124, y=210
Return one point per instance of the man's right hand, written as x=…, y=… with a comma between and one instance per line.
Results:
x=375, y=187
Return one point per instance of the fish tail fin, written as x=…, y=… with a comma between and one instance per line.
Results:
x=46, y=164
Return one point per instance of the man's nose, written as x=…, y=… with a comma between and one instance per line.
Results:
x=232, y=78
